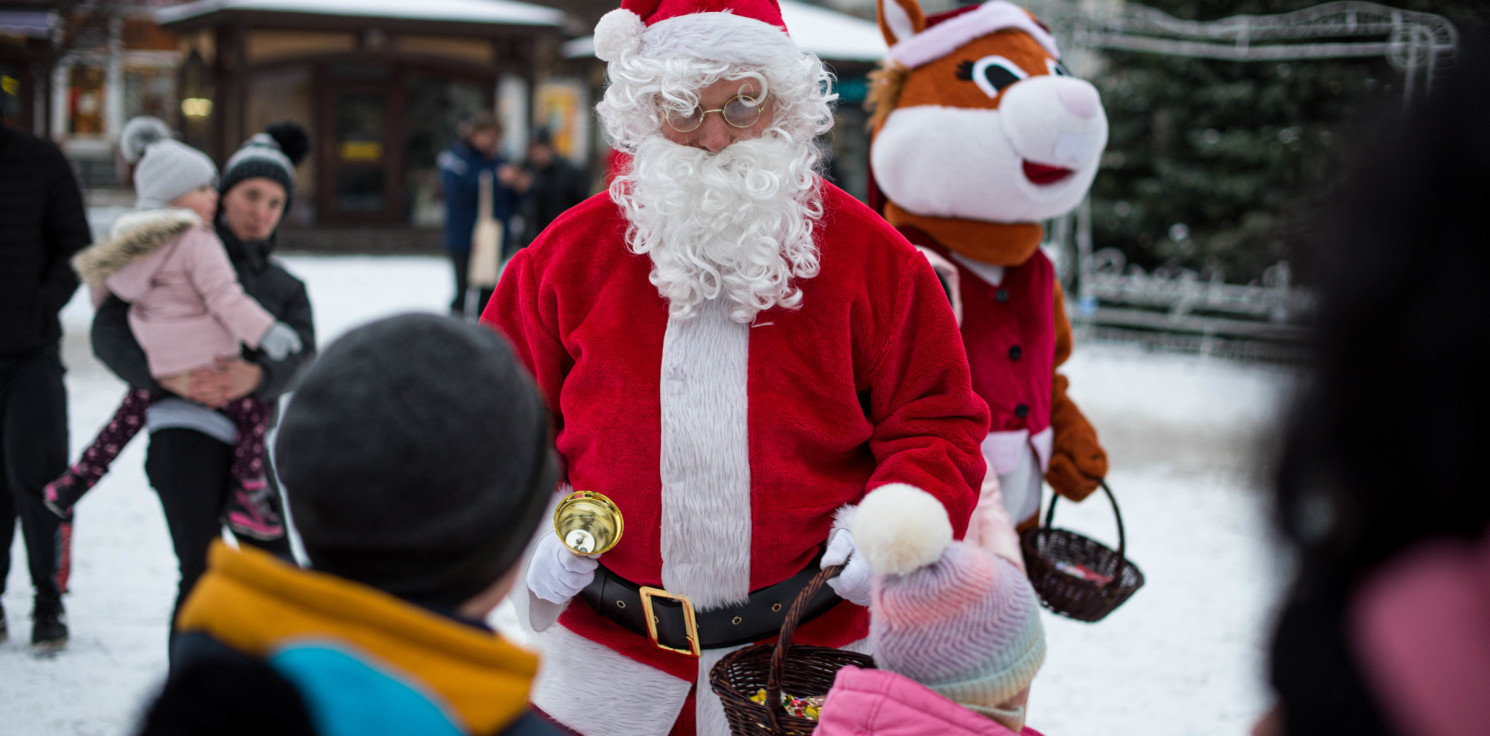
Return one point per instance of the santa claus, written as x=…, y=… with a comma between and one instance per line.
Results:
x=736, y=352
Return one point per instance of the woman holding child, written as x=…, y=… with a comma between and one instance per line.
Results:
x=190, y=462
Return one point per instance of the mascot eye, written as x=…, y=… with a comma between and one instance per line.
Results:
x=991, y=73
x=1057, y=68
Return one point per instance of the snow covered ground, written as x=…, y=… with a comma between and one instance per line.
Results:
x=1183, y=657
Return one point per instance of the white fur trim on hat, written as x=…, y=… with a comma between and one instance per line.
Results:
x=618, y=32
x=722, y=37
x=900, y=528
x=946, y=37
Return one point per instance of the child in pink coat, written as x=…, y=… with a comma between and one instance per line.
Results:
x=955, y=630
x=187, y=309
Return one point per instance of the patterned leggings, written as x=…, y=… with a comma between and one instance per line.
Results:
x=251, y=417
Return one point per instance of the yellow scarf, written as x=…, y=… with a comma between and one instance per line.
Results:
x=257, y=604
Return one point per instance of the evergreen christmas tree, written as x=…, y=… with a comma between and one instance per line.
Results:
x=1210, y=164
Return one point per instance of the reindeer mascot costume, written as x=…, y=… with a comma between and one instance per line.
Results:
x=979, y=134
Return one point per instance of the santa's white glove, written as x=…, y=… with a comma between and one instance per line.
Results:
x=555, y=574
x=852, y=584
x=279, y=341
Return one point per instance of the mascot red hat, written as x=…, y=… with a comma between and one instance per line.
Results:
x=980, y=133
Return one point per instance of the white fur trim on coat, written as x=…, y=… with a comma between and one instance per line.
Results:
x=946, y=37
x=133, y=236
x=709, y=718
x=900, y=528
x=598, y=691
x=535, y=614
x=725, y=37
x=705, y=463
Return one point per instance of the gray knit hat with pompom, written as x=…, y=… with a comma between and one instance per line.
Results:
x=273, y=154
x=164, y=167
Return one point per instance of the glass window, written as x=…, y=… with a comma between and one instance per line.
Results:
x=150, y=90
x=283, y=93
x=360, y=179
x=85, y=101
x=11, y=90
x=435, y=107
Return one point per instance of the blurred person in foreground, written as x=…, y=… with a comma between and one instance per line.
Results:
x=554, y=185
x=417, y=462
x=477, y=152
x=43, y=224
x=737, y=352
x=1381, y=494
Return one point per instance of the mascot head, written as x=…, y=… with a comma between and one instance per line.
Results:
x=976, y=121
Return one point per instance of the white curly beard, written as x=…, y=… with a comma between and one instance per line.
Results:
x=736, y=225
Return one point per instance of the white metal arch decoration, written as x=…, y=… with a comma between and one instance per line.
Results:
x=1414, y=43
x=1418, y=44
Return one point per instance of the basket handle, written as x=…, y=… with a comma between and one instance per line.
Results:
x=1122, y=538
x=774, y=711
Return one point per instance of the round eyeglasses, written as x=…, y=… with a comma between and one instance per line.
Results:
x=741, y=111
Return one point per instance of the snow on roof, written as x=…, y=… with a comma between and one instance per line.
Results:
x=825, y=33
x=505, y=12
x=832, y=35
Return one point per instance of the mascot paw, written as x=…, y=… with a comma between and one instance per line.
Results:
x=1074, y=479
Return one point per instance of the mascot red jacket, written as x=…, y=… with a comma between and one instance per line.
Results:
x=980, y=133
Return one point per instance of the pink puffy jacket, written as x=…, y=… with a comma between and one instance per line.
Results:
x=882, y=703
x=186, y=305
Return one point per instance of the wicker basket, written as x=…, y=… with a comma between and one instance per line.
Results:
x=799, y=670
x=1076, y=576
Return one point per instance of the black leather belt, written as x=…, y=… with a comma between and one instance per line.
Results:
x=676, y=627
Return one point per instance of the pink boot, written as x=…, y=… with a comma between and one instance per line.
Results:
x=249, y=512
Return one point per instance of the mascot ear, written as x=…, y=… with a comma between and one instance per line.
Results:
x=900, y=19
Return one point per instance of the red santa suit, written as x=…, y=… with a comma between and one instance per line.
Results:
x=729, y=447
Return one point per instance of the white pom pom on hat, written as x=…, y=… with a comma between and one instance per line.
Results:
x=618, y=32
x=900, y=529
x=139, y=134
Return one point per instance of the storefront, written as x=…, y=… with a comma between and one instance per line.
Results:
x=25, y=42
x=381, y=85
x=114, y=64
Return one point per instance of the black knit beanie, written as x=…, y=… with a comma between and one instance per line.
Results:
x=415, y=456
x=273, y=154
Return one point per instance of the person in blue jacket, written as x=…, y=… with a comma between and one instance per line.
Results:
x=461, y=167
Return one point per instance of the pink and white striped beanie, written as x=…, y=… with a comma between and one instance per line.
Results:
x=949, y=615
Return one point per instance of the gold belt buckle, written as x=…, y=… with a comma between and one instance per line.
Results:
x=690, y=624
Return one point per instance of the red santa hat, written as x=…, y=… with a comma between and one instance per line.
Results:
x=948, y=31
x=731, y=31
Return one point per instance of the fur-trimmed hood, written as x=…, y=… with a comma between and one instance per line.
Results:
x=134, y=236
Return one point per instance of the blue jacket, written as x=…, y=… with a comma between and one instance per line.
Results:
x=263, y=647
x=460, y=179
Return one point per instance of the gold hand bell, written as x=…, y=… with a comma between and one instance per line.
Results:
x=588, y=523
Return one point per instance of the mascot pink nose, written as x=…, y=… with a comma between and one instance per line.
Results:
x=1080, y=99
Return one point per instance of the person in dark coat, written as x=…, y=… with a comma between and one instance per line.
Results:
x=556, y=185
x=42, y=225
x=461, y=167
x=413, y=539
x=190, y=455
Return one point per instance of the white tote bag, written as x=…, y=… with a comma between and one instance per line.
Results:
x=486, y=241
